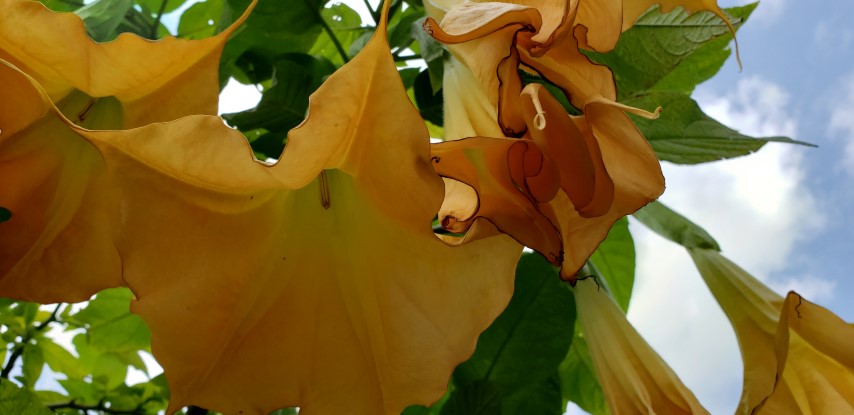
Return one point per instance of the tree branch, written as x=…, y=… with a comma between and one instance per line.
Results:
x=18, y=349
x=99, y=407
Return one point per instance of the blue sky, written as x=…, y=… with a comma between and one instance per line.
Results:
x=783, y=214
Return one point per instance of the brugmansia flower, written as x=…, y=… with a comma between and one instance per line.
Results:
x=314, y=282
x=603, y=166
x=54, y=182
x=604, y=170
x=798, y=357
x=634, y=378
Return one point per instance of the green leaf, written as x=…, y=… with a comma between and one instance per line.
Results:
x=401, y=33
x=430, y=103
x=578, y=381
x=530, y=338
x=274, y=28
x=201, y=20
x=103, y=17
x=347, y=26
x=109, y=372
x=82, y=392
x=154, y=5
x=32, y=366
x=61, y=360
x=14, y=400
x=683, y=134
x=675, y=227
x=475, y=398
x=658, y=43
x=5, y=214
x=432, y=52
x=62, y=5
x=110, y=325
x=615, y=261
x=542, y=398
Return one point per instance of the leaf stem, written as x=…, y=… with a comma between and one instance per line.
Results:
x=329, y=31
x=18, y=349
x=374, y=12
x=156, y=25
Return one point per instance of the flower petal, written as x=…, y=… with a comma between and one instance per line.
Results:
x=633, y=376
x=495, y=168
x=63, y=206
x=316, y=282
x=154, y=80
x=797, y=355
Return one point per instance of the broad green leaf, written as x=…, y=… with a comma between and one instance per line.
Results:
x=578, y=382
x=109, y=372
x=402, y=33
x=32, y=359
x=347, y=25
x=683, y=134
x=103, y=17
x=474, y=398
x=434, y=409
x=658, y=42
x=705, y=61
x=274, y=28
x=615, y=261
x=541, y=398
x=202, y=20
x=529, y=339
x=430, y=103
x=110, y=325
x=675, y=227
x=49, y=396
x=286, y=411
x=61, y=360
x=83, y=392
x=432, y=52
x=154, y=6
x=62, y=5
x=14, y=400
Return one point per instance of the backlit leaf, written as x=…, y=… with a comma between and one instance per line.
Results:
x=685, y=135
x=14, y=400
x=675, y=227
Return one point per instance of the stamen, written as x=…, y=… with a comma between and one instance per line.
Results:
x=540, y=118
x=81, y=116
x=325, y=201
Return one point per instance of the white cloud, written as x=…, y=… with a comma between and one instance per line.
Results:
x=842, y=121
x=758, y=209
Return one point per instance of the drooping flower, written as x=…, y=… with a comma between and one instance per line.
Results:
x=54, y=182
x=634, y=378
x=600, y=161
x=314, y=282
x=798, y=357
x=602, y=166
